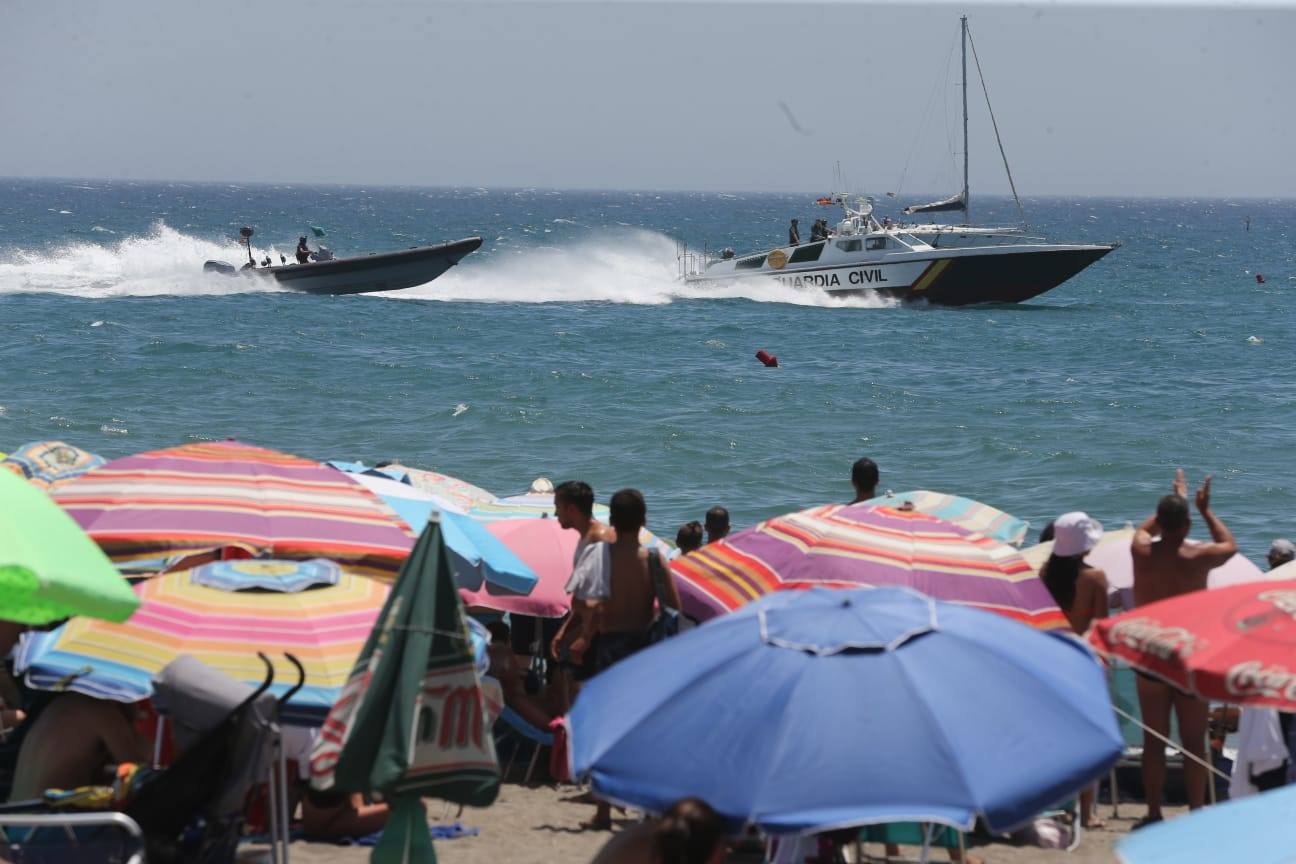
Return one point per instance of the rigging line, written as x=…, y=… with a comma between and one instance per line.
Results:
x=937, y=86
x=1011, y=185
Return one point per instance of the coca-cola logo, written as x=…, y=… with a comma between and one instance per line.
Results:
x=1283, y=600
x=1150, y=637
x=1253, y=678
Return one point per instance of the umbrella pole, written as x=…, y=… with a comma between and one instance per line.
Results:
x=157, y=740
x=283, y=798
x=274, y=794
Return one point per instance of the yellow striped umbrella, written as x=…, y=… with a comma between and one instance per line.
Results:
x=324, y=626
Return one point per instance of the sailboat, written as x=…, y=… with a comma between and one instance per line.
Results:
x=909, y=262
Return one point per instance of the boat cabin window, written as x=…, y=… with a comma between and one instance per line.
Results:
x=850, y=245
x=876, y=243
x=806, y=253
x=752, y=263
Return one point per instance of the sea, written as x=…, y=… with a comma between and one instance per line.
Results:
x=566, y=348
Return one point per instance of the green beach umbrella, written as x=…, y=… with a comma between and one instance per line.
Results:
x=49, y=568
x=411, y=720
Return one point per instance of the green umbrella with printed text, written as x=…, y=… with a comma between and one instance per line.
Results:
x=49, y=568
x=411, y=720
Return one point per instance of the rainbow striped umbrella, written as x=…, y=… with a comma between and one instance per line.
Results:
x=969, y=514
x=324, y=627
x=849, y=546
x=214, y=495
x=45, y=463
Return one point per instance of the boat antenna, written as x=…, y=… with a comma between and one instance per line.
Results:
x=967, y=208
x=245, y=233
x=1011, y=185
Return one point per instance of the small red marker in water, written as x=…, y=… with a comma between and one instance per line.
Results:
x=767, y=358
x=1259, y=278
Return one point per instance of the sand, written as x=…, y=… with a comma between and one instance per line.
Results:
x=535, y=825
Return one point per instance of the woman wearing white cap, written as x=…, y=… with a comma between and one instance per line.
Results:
x=1080, y=591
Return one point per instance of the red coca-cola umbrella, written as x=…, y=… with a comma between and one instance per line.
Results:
x=1234, y=644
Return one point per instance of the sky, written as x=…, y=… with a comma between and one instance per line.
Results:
x=1158, y=100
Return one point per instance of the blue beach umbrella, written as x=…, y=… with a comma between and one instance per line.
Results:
x=476, y=555
x=1256, y=829
x=805, y=711
x=267, y=575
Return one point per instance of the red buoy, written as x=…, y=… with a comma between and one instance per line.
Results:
x=1259, y=278
x=767, y=358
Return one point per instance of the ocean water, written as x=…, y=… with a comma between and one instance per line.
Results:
x=565, y=348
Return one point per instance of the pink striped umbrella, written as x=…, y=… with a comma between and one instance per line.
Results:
x=229, y=495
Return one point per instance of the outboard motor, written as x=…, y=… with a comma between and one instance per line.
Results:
x=219, y=267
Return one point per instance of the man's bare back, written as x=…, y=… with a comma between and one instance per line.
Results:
x=70, y=744
x=1166, y=566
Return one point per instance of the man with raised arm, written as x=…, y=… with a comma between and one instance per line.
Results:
x=1167, y=566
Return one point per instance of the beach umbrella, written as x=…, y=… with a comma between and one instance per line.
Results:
x=1112, y=556
x=541, y=506
x=223, y=615
x=46, y=463
x=411, y=721
x=1256, y=829
x=547, y=550
x=863, y=545
x=817, y=709
x=1233, y=644
x=49, y=568
x=964, y=512
x=223, y=494
x=461, y=493
x=479, y=561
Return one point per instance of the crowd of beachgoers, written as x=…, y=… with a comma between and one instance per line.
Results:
x=625, y=594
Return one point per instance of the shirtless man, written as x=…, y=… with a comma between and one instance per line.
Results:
x=625, y=617
x=1167, y=567
x=71, y=743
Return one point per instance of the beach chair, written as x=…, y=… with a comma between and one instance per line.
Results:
x=511, y=727
x=63, y=838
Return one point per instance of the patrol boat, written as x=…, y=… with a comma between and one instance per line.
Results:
x=951, y=265
x=864, y=256
x=377, y=271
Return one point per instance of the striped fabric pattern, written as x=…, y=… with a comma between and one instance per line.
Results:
x=850, y=546
x=324, y=627
x=964, y=512
x=214, y=495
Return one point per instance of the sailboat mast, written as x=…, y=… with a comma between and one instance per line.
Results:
x=967, y=210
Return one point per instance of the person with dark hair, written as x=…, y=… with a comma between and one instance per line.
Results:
x=864, y=477
x=303, y=251
x=1166, y=566
x=1046, y=533
x=717, y=524
x=588, y=585
x=1080, y=591
x=72, y=741
x=690, y=832
x=794, y=234
x=637, y=577
x=689, y=537
x=1281, y=551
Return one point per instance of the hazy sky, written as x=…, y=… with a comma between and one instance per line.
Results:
x=1100, y=100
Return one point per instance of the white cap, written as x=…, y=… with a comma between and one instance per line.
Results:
x=1075, y=533
x=542, y=486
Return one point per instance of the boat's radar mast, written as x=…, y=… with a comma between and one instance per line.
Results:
x=245, y=235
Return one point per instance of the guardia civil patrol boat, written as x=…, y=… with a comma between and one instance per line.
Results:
x=947, y=264
x=863, y=256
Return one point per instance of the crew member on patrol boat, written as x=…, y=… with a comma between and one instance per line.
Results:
x=794, y=235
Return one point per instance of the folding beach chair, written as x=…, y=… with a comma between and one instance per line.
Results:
x=64, y=838
x=511, y=726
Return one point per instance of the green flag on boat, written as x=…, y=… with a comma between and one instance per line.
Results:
x=411, y=720
x=317, y=230
x=49, y=567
